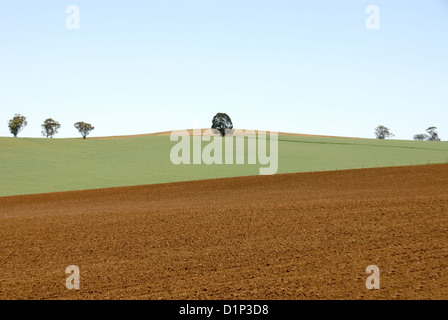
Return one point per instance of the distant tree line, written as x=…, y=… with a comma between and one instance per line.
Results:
x=220, y=122
x=382, y=132
x=50, y=127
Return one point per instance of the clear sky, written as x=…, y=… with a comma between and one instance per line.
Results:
x=284, y=65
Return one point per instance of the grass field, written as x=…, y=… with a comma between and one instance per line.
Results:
x=38, y=165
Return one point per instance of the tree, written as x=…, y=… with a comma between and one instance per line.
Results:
x=221, y=122
x=84, y=128
x=50, y=128
x=382, y=132
x=433, y=135
x=17, y=124
x=421, y=137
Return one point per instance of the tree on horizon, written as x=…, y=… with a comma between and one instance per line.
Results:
x=84, y=128
x=221, y=122
x=383, y=132
x=17, y=124
x=432, y=134
x=50, y=127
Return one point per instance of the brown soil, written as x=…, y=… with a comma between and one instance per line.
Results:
x=290, y=236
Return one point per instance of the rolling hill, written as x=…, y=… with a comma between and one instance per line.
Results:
x=38, y=165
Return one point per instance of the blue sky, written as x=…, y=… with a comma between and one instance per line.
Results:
x=297, y=66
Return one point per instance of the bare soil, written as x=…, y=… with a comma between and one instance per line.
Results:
x=289, y=236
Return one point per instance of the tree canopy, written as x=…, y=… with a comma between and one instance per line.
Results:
x=84, y=128
x=17, y=124
x=421, y=137
x=50, y=127
x=221, y=122
x=432, y=134
x=382, y=132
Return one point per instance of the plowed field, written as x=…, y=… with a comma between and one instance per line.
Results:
x=290, y=236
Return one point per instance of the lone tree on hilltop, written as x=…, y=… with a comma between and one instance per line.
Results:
x=50, y=127
x=433, y=135
x=221, y=122
x=382, y=132
x=16, y=124
x=84, y=128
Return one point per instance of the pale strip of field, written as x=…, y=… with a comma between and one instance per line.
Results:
x=208, y=132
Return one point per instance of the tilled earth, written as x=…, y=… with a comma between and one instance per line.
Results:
x=289, y=236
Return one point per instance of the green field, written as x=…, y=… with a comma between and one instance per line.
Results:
x=38, y=165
